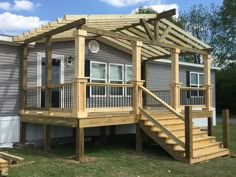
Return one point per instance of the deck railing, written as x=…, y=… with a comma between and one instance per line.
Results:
x=108, y=95
x=60, y=96
x=192, y=96
x=162, y=94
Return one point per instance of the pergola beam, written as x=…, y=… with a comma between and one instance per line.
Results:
x=133, y=38
x=147, y=29
x=75, y=24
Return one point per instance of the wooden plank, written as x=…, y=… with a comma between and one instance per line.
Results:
x=139, y=139
x=79, y=142
x=108, y=120
x=47, y=137
x=188, y=133
x=156, y=29
x=61, y=29
x=226, y=132
x=147, y=29
x=201, y=114
x=163, y=36
x=13, y=157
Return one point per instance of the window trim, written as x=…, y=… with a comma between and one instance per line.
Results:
x=198, y=85
x=91, y=78
x=122, y=80
x=126, y=81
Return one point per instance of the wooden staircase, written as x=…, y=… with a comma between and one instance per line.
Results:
x=168, y=130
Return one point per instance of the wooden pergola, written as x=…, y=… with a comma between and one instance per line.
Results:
x=144, y=36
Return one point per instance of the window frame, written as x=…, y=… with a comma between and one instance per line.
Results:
x=122, y=80
x=126, y=80
x=91, y=78
x=198, y=85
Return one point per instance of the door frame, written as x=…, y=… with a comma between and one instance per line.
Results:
x=41, y=55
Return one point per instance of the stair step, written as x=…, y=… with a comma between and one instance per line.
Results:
x=200, y=141
x=203, y=156
x=197, y=149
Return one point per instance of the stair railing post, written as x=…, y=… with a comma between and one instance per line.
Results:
x=188, y=133
x=226, y=137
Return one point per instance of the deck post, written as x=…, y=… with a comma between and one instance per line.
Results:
x=210, y=126
x=48, y=71
x=175, y=85
x=22, y=132
x=136, y=61
x=79, y=82
x=24, y=78
x=226, y=133
x=79, y=142
x=207, y=81
x=188, y=133
x=139, y=139
x=47, y=137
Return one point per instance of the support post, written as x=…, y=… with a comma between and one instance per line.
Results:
x=48, y=71
x=24, y=78
x=207, y=81
x=188, y=133
x=47, y=137
x=136, y=61
x=175, y=85
x=139, y=139
x=22, y=132
x=79, y=83
x=79, y=142
x=226, y=137
x=210, y=126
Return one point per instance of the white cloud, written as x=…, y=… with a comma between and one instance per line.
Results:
x=5, y=5
x=23, y=5
x=14, y=24
x=19, y=5
x=122, y=3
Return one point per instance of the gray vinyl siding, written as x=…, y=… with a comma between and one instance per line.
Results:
x=10, y=64
x=159, y=76
x=105, y=54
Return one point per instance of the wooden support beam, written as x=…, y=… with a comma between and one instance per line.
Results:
x=55, y=31
x=79, y=142
x=48, y=74
x=163, y=36
x=79, y=83
x=22, y=132
x=207, y=81
x=156, y=30
x=210, y=126
x=47, y=137
x=169, y=56
x=175, y=85
x=226, y=132
x=147, y=29
x=139, y=139
x=144, y=40
x=188, y=133
x=24, y=77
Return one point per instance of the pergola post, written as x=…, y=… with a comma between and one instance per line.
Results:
x=136, y=62
x=79, y=83
x=207, y=81
x=175, y=85
x=48, y=71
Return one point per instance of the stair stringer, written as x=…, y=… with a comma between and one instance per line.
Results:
x=178, y=155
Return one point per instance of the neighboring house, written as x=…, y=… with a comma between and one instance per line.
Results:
x=88, y=72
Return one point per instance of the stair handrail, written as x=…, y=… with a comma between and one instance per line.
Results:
x=163, y=128
x=162, y=102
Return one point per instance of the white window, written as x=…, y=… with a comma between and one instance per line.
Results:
x=98, y=75
x=116, y=76
x=128, y=77
x=196, y=80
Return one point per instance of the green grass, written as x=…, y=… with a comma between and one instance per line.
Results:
x=120, y=161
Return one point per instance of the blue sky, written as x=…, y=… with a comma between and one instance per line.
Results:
x=17, y=16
